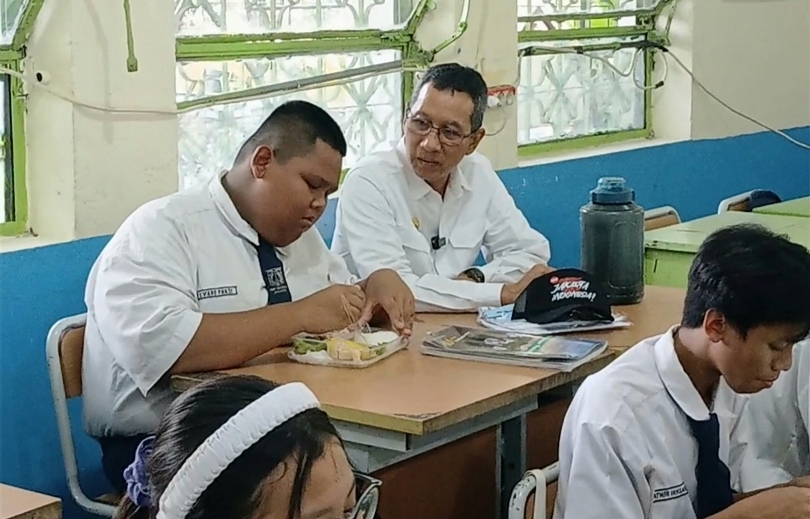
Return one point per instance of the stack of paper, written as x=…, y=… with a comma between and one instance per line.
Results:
x=500, y=318
x=480, y=344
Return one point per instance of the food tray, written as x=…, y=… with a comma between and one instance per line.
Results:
x=324, y=350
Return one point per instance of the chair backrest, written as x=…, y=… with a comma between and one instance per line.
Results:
x=71, y=350
x=533, y=497
x=735, y=203
x=64, y=349
x=661, y=217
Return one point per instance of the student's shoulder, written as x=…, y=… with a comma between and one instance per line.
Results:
x=616, y=395
x=168, y=214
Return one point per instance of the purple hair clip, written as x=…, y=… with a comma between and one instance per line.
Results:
x=136, y=477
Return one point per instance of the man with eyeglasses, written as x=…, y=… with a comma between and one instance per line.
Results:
x=428, y=205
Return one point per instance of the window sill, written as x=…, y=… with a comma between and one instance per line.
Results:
x=594, y=151
x=26, y=241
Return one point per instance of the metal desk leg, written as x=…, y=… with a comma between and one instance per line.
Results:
x=511, y=460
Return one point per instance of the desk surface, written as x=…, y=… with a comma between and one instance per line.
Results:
x=687, y=236
x=796, y=207
x=417, y=394
x=16, y=503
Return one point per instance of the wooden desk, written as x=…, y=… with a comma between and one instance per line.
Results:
x=669, y=251
x=411, y=403
x=796, y=207
x=16, y=503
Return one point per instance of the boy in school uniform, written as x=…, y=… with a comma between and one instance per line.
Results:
x=208, y=278
x=652, y=435
x=777, y=426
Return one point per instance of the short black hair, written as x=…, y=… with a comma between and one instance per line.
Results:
x=197, y=414
x=458, y=78
x=292, y=130
x=753, y=277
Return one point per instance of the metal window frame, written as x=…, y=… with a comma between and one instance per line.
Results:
x=11, y=56
x=644, y=27
x=229, y=47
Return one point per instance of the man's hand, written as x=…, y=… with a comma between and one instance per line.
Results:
x=386, y=291
x=776, y=503
x=511, y=291
x=333, y=308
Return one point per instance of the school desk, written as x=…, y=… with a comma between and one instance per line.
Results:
x=796, y=207
x=669, y=251
x=393, y=414
x=16, y=503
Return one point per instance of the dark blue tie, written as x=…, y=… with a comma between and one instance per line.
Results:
x=273, y=273
x=714, y=492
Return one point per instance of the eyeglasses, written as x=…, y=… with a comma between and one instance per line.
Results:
x=367, y=490
x=447, y=135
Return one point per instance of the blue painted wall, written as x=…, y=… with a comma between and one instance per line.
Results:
x=39, y=286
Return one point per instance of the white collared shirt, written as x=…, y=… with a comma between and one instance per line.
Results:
x=776, y=425
x=387, y=216
x=170, y=262
x=627, y=450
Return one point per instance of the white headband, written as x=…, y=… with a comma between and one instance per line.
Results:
x=228, y=442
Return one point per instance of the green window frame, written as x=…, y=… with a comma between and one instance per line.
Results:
x=270, y=45
x=15, y=219
x=601, y=27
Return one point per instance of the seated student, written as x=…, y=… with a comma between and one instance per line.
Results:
x=776, y=424
x=650, y=436
x=427, y=205
x=245, y=448
x=236, y=262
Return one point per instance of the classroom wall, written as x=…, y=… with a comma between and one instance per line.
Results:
x=88, y=170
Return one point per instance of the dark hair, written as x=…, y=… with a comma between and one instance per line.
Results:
x=753, y=277
x=458, y=78
x=195, y=415
x=292, y=130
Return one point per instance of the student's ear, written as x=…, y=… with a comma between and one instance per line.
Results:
x=475, y=140
x=714, y=325
x=263, y=156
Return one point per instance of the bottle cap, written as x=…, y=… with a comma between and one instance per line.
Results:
x=612, y=190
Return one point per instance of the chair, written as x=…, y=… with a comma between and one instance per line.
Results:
x=748, y=201
x=533, y=481
x=661, y=217
x=64, y=349
x=735, y=203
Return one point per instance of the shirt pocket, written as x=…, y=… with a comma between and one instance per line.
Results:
x=417, y=250
x=669, y=497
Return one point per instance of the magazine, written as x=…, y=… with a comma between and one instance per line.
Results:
x=482, y=344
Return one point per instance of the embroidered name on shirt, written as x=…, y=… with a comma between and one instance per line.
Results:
x=210, y=293
x=669, y=493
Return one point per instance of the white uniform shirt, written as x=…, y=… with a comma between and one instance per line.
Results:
x=627, y=450
x=170, y=262
x=387, y=216
x=776, y=425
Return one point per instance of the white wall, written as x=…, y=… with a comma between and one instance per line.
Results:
x=89, y=169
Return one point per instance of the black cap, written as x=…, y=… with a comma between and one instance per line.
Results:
x=563, y=295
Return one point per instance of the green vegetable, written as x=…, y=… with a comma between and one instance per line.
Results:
x=302, y=345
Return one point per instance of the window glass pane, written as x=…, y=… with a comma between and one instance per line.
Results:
x=7, y=201
x=201, y=17
x=10, y=11
x=568, y=95
x=368, y=110
x=549, y=7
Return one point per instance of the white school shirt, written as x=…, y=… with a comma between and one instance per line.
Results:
x=627, y=450
x=776, y=425
x=387, y=215
x=170, y=262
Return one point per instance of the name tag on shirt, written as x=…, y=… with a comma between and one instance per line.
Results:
x=669, y=493
x=210, y=293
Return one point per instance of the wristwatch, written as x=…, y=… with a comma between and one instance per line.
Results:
x=474, y=274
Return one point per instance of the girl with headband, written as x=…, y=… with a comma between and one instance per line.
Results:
x=246, y=448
